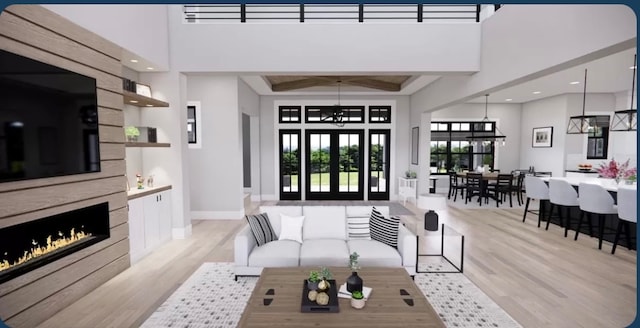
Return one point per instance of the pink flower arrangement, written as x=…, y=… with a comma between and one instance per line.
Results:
x=616, y=170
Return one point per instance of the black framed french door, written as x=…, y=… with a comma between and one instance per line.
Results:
x=290, y=165
x=334, y=164
x=379, y=159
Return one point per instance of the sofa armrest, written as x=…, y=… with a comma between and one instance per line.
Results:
x=243, y=244
x=407, y=246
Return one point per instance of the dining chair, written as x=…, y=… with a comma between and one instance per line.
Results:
x=454, y=186
x=518, y=187
x=627, y=213
x=501, y=189
x=565, y=197
x=474, y=187
x=536, y=189
x=594, y=199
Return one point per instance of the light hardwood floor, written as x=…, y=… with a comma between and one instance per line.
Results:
x=539, y=277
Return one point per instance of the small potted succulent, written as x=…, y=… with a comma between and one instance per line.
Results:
x=357, y=299
x=314, y=279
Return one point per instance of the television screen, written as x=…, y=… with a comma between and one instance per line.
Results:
x=48, y=120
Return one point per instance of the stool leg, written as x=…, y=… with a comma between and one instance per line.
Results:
x=549, y=216
x=601, y=228
x=567, y=224
x=526, y=207
x=561, y=216
x=615, y=240
x=579, y=224
x=627, y=233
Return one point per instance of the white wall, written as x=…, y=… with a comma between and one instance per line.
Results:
x=523, y=42
x=249, y=102
x=345, y=48
x=215, y=170
x=400, y=134
x=142, y=29
x=507, y=118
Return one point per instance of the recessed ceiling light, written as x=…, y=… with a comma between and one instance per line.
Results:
x=133, y=101
x=149, y=105
x=508, y=99
x=574, y=82
x=134, y=60
x=149, y=68
x=537, y=92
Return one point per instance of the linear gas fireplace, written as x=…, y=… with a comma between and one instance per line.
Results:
x=27, y=246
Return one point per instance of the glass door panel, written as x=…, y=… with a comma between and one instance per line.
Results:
x=320, y=162
x=349, y=162
x=290, y=165
x=379, y=164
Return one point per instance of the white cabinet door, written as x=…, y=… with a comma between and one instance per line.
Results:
x=164, y=215
x=136, y=229
x=151, y=221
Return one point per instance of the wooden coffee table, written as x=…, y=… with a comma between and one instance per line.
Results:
x=385, y=308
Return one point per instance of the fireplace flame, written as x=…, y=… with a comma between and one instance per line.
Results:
x=52, y=245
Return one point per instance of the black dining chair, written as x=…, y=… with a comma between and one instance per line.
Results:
x=501, y=189
x=455, y=186
x=518, y=187
x=475, y=187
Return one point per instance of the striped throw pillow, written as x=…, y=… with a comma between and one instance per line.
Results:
x=261, y=228
x=384, y=229
x=358, y=228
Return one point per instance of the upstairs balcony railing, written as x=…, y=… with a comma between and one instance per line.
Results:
x=325, y=13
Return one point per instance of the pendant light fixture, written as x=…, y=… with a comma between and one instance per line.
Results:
x=581, y=124
x=336, y=116
x=627, y=120
x=496, y=136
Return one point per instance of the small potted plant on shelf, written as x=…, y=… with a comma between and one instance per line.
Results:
x=132, y=133
x=357, y=299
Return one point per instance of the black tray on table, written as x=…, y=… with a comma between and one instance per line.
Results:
x=313, y=307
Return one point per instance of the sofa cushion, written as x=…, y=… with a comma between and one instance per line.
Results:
x=324, y=222
x=261, y=228
x=274, y=214
x=278, y=253
x=374, y=253
x=365, y=210
x=291, y=228
x=324, y=252
x=384, y=229
x=358, y=228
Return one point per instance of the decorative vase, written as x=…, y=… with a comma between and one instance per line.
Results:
x=357, y=304
x=354, y=282
x=312, y=285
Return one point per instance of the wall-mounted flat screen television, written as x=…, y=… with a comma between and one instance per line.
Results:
x=48, y=120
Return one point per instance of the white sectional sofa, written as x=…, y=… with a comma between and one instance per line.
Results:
x=325, y=242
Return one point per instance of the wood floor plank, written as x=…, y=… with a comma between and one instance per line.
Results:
x=539, y=277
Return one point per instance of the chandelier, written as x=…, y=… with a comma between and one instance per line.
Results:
x=336, y=116
x=497, y=135
x=582, y=123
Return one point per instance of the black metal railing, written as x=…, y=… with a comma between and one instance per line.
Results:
x=244, y=13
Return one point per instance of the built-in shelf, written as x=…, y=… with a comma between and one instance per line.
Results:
x=147, y=144
x=135, y=99
x=137, y=193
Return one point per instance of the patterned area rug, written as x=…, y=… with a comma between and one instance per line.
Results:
x=211, y=298
x=394, y=207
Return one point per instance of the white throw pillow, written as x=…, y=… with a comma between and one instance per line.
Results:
x=291, y=228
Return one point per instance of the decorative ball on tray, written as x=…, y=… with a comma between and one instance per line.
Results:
x=322, y=298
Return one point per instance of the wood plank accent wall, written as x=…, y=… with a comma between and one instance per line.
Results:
x=27, y=300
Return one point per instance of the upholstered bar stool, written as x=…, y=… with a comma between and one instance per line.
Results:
x=627, y=213
x=536, y=189
x=597, y=200
x=562, y=194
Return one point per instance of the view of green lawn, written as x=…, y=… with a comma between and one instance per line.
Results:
x=324, y=177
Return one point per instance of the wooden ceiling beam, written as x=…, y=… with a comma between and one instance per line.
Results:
x=374, y=84
x=300, y=84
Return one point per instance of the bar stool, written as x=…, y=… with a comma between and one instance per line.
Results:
x=562, y=194
x=597, y=200
x=536, y=189
x=627, y=206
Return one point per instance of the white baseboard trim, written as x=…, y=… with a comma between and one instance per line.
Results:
x=217, y=215
x=269, y=197
x=256, y=198
x=182, y=233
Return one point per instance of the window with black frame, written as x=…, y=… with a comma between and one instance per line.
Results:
x=334, y=114
x=598, y=138
x=457, y=146
x=289, y=114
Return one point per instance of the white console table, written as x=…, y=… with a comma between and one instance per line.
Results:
x=407, y=188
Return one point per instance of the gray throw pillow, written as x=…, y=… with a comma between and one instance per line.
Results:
x=261, y=228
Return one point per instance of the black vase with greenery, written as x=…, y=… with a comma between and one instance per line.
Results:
x=354, y=282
